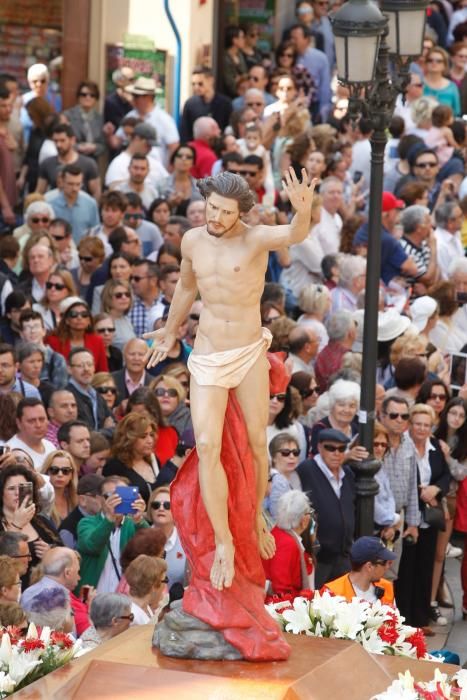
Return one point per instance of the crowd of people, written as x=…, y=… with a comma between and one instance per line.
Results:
x=95, y=201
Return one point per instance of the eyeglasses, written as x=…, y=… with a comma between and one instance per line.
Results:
x=156, y=505
x=120, y=295
x=54, y=471
x=380, y=444
x=128, y=216
x=172, y=393
x=138, y=278
x=427, y=164
x=130, y=617
x=185, y=156
x=287, y=452
x=106, y=390
x=88, y=94
x=86, y=258
x=394, y=416
x=105, y=330
x=438, y=397
x=78, y=314
x=279, y=397
x=40, y=219
x=55, y=285
x=194, y=317
x=334, y=448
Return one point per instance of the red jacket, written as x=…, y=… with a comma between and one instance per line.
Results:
x=92, y=342
x=284, y=570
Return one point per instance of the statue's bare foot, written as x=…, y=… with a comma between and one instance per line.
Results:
x=222, y=571
x=266, y=542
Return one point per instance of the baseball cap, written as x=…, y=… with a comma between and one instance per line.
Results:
x=90, y=484
x=146, y=132
x=390, y=202
x=370, y=549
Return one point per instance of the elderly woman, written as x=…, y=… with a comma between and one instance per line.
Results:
x=10, y=582
x=147, y=541
x=284, y=452
x=86, y=121
x=315, y=302
x=413, y=586
x=146, y=578
x=133, y=453
x=352, y=273
x=171, y=396
x=160, y=515
x=37, y=217
x=307, y=387
x=387, y=519
x=116, y=301
x=291, y=569
x=50, y=607
x=343, y=398
x=111, y=615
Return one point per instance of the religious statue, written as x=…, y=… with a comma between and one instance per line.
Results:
x=225, y=262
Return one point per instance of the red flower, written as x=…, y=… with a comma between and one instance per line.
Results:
x=307, y=593
x=388, y=633
x=32, y=644
x=417, y=640
x=61, y=639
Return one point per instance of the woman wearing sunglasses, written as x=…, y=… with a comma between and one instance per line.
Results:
x=61, y=469
x=104, y=384
x=171, y=396
x=58, y=287
x=284, y=452
x=104, y=326
x=132, y=453
x=75, y=329
x=116, y=301
x=437, y=85
x=160, y=515
x=306, y=385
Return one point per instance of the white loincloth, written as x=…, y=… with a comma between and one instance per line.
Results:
x=229, y=367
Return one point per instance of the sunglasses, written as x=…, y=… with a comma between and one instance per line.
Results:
x=254, y=104
x=335, y=448
x=105, y=330
x=58, y=238
x=156, y=505
x=121, y=295
x=106, y=390
x=78, y=314
x=287, y=452
x=431, y=164
x=394, y=416
x=438, y=397
x=40, y=219
x=55, y=285
x=54, y=471
x=380, y=444
x=130, y=617
x=172, y=393
x=138, y=278
x=88, y=94
x=247, y=173
x=279, y=397
x=133, y=216
x=86, y=258
x=309, y=392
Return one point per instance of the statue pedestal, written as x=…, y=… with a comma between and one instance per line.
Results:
x=317, y=669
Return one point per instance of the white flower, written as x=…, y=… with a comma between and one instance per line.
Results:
x=298, y=619
x=45, y=635
x=7, y=685
x=5, y=650
x=32, y=631
x=21, y=664
x=325, y=607
x=349, y=620
x=372, y=643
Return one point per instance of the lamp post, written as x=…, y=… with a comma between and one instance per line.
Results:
x=366, y=39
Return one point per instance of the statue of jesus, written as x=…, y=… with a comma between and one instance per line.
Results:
x=225, y=262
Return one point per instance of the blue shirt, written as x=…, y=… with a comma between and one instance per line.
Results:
x=392, y=253
x=317, y=65
x=25, y=389
x=82, y=215
x=323, y=26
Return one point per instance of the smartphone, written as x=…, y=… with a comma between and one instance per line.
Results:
x=25, y=492
x=3, y=449
x=84, y=593
x=353, y=442
x=357, y=176
x=128, y=494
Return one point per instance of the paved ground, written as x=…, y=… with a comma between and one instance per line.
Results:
x=454, y=636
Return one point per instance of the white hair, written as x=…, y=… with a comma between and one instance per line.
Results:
x=343, y=390
x=202, y=127
x=36, y=208
x=350, y=266
x=457, y=267
x=291, y=507
x=327, y=182
x=38, y=70
x=339, y=324
x=314, y=298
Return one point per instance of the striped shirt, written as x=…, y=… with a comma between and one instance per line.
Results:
x=420, y=254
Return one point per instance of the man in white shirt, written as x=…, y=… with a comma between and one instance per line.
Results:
x=143, y=141
x=32, y=424
x=138, y=180
x=448, y=217
x=144, y=92
x=303, y=346
x=328, y=231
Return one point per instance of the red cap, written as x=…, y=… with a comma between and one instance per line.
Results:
x=391, y=202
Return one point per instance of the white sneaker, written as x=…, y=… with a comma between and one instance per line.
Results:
x=453, y=552
x=436, y=616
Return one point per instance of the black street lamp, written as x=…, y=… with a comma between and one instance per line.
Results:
x=367, y=38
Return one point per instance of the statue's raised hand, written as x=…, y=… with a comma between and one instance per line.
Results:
x=301, y=193
x=162, y=344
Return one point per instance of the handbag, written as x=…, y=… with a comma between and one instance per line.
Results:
x=434, y=517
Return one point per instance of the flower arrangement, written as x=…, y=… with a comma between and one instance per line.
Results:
x=377, y=627
x=24, y=660
x=439, y=688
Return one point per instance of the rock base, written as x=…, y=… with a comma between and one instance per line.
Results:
x=185, y=637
